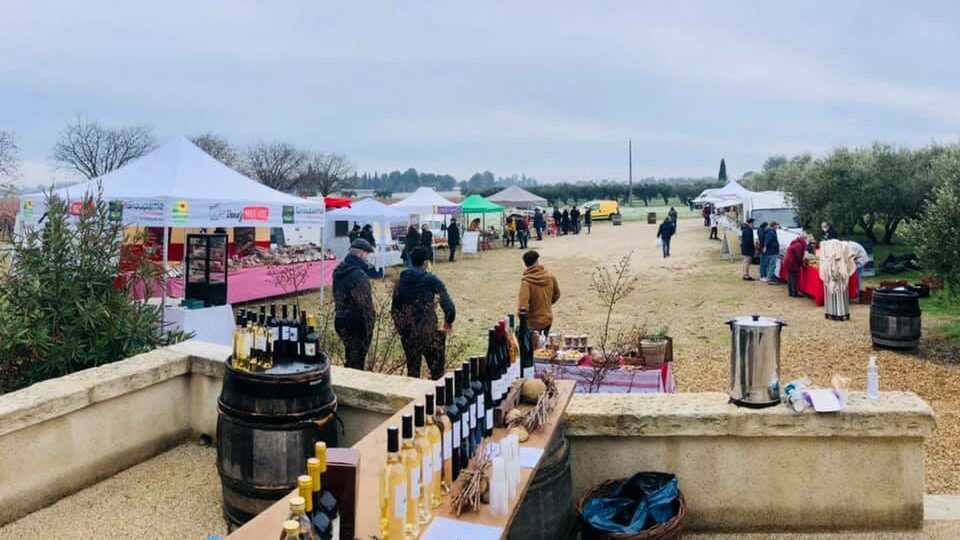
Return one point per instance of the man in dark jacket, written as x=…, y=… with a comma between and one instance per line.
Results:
x=426, y=241
x=539, y=224
x=664, y=233
x=565, y=221
x=557, y=219
x=523, y=231
x=367, y=234
x=747, y=247
x=353, y=298
x=414, y=315
x=588, y=219
x=453, y=238
x=771, y=248
x=354, y=232
x=575, y=220
x=761, y=235
x=673, y=214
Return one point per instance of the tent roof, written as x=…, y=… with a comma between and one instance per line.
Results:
x=369, y=210
x=731, y=191
x=517, y=196
x=426, y=201
x=475, y=204
x=206, y=192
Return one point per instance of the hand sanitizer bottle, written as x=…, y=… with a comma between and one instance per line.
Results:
x=873, y=379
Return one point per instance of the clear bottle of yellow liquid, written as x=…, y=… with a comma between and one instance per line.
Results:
x=425, y=449
x=411, y=463
x=298, y=513
x=436, y=452
x=393, y=490
x=446, y=435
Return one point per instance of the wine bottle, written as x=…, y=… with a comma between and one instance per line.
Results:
x=262, y=319
x=473, y=365
x=310, y=345
x=294, y=336
x=411, y=464
x=393, y=489
x=446, y=436
x=503, y=359
x=471, y=397
x=425, y=449
x=453, y=413
x=274, y=326
x=464, y=405
x=514, y=350
x=328, y=502
x=526, y=348
x=436, y=452
x=491, y=369
x=298, y=513
x=284, y=351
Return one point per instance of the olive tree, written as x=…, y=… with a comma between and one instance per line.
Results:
x=935, y=235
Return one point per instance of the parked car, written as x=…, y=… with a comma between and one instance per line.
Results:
x=601, y=209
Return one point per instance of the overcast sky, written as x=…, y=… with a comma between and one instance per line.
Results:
x=552, y=89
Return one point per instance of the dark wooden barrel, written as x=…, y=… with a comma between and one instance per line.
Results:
x=546, y=512
x=652, y=217
x=267, y=425
x=895, y=319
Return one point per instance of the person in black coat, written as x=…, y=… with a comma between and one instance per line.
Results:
x=557, y=219
x=747, y=249
x=588, y=219
x=665, y=233
x=829, y=233
x=354, y=232
x=575, y=220
x=539, y=224
x=353, y=300
x=414, y=315
x=410, y=241
x=453, y=238
x=565, y=221
x=426, y=241
x=367, y=234
x=770, y=246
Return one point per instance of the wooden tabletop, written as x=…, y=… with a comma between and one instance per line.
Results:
x=372, y=450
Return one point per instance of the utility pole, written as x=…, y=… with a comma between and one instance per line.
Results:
x=630, y=171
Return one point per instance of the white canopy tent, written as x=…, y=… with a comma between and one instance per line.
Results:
x=371, y=211
x=426, y=201
x=517, y=197
x=732, y=191
x=180, y=185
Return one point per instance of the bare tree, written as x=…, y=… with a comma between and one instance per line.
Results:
x=9, y=160
x=218, y=147
x=276, y=165
x=94, y=150
x=326, y=173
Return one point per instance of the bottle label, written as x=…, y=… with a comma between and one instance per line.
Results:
x=400, y=500
x=438, y=457
x=293, y=334
x=473, y=416
x=480, y=404
x=489, y=418
x=274, y=333
x=427, y=468
x=261, y=342
x=415, y=481
x=310, y=349
x=335, y=525
x=285, y=333
x=447, y=444
x=456, y=434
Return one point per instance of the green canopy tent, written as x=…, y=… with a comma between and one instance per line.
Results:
x=475, y=204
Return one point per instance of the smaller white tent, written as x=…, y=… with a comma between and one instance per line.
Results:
x=371, y=211
x=426, y=201
x=517, y=197
x=732, y=191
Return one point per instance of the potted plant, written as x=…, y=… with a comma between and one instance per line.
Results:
x=653, y=347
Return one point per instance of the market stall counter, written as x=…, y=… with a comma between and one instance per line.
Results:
x=445, y=524
x=810, y=284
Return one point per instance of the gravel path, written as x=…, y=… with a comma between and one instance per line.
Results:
x=174, y=496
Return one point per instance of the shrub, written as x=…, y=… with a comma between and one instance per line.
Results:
x=63, y=305
x=936, y=234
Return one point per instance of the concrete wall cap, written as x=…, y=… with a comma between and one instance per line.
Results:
x=708, y=414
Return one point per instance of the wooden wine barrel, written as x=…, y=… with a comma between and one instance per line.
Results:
x=895, y=319
x=652, y=218
x=546, y=512
x=267, y=425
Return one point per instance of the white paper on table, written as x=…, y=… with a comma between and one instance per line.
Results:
x=823, y=400
x=451, y=529
x=529, y=457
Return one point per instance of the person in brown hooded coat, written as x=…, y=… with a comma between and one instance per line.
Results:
x=539, y=290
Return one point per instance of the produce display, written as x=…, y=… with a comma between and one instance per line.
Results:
x=281, y=255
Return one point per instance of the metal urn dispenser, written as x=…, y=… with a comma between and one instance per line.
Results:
x=755, y=361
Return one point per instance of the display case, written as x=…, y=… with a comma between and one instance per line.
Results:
x=205, y=273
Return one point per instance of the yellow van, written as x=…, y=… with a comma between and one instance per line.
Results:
x=601, y=209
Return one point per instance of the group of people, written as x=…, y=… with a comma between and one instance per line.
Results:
x=572, y=220
x=413, y=307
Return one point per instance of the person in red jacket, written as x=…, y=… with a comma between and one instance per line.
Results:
x=793, y=262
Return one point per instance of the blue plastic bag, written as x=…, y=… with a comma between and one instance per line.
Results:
x=641, y=502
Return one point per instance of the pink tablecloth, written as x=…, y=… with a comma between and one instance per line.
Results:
x=254, y=283
x=640, y=380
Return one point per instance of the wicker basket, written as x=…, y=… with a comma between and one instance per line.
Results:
x=672, y=529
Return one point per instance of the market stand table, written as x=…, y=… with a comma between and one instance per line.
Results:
x=810, y=284
x=372, y=449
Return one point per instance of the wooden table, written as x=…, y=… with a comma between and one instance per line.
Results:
x=373, y=450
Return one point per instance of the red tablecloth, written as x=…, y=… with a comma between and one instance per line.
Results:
x=251, y=284
x=810, y=284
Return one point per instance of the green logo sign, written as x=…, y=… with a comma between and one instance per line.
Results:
x=288, y=214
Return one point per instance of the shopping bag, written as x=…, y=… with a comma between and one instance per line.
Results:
x=657, y=243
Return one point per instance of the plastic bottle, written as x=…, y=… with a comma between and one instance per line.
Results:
x=873, y=379
x=499, y=498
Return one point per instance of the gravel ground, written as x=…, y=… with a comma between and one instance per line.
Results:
x=175, y=495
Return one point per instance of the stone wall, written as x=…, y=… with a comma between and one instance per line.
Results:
x=739, y=469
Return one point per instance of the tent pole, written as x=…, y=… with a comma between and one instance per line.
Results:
x=163, y=283
x=323, y=258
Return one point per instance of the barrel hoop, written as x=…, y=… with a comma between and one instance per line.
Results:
x=275, y=423
x=257, y=492
x=278, y=419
